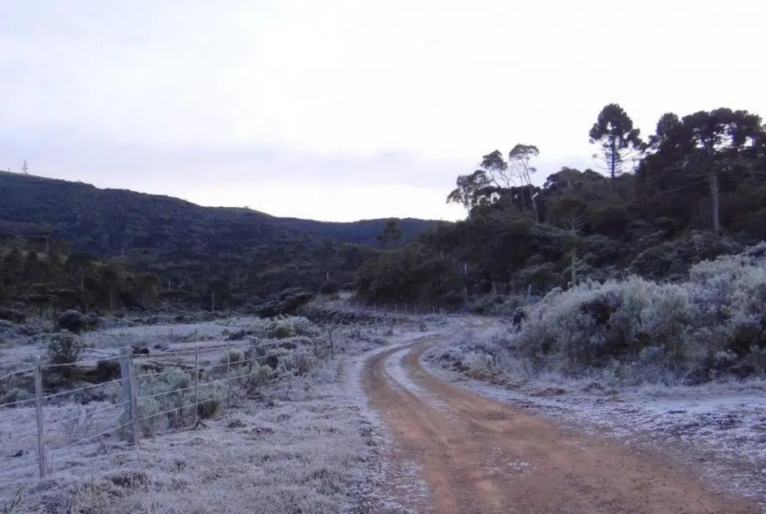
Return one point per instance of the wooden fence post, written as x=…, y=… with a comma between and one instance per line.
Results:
x=196, y=381
x=253, y=350
x=228, y=374
x=129, y=396
x=40, y=425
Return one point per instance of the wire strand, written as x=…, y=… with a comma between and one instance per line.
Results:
x=199, y=349
x=17, y=372
x=26, y=434
x=241, y=363
x=25, y=465
x=84, y=388
x=174, y=391
x=88, y=413
x=17, y=402
x=81, y=441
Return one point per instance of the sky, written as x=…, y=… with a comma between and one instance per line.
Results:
x=349, y=109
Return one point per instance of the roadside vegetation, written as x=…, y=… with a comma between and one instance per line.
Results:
x=289, y=433
x=711, y=326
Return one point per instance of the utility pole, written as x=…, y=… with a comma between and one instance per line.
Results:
x=25, y=169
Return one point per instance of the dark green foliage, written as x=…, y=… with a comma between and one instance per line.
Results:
x=12, y=315
x=363, y=232
x=74, y=321
x=61, y=281
x=411, y=275
x=129, y=250
x=329, y=287
x=391, y=233
x=618, y=140
x=699, y=191
x=287, y=302
x=672, y=259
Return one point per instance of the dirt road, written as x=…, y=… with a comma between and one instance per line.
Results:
x=480, y=456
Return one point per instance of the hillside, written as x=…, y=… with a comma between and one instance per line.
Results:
x=113, y=221
x=360, y=232
x=244, y=253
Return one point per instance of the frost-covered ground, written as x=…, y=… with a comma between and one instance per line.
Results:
x=306, y=444
x=718, y=428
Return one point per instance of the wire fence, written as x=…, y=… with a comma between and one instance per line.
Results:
x=58, y=426
x=40, y=431
x=407, y=309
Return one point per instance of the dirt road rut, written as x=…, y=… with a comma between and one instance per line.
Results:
x=480, y=456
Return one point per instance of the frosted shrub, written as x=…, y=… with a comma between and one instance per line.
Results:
x=257, y=378
x=15, y=395
x=64, y=348
x=167, y=401
x=713, y=324
x=299, y=362
x=232, y=357
x=478, y=361
x=282, y=328
x=666, y=320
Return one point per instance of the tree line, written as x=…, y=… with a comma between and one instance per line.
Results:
x=45, y=274
x=692, y=190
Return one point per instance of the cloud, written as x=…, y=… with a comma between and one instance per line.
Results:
x=277, y=181
x=182, y=96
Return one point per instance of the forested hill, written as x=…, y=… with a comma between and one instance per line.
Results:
x=243, y=254
x=361, y=232
x=111, y=221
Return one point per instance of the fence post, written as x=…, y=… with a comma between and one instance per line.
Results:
x=196, y=381
x=228, y=374
x=40, y=426
x=253, y=349
x=129, y=394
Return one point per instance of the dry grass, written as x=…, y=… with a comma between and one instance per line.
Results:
x=303, y=444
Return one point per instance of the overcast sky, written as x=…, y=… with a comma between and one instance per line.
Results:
x=349, y=109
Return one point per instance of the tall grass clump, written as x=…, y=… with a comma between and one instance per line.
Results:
x=292, y=326
x=710, y=326
x=167, y=401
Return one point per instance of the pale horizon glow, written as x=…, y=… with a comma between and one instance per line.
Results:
x=348, y=109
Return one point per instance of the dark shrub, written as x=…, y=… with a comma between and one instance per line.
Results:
x=329, y=287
